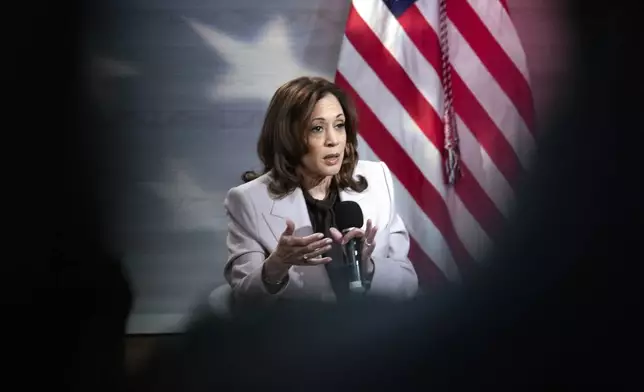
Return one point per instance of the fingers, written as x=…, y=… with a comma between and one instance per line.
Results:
x=290, y=228
x=302, y=241
x=308, y=250
x=369, y=243
x=311, y=256
x=335, y=234
x=353, y=233
x=371, y=232
x=324, y=243
x=322, y=260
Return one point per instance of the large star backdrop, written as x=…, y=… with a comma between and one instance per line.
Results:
x=187, y=84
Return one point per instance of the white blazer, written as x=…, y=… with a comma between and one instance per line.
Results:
x=257, y=220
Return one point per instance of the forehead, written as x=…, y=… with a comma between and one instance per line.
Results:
x=327, y=107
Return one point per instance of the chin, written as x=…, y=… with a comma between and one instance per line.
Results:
x=329, y=171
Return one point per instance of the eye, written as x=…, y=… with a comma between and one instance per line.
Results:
x=340, y=126
x=317, y=129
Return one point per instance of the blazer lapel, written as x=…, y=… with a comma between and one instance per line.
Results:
x=291, y=207
x=350, y=195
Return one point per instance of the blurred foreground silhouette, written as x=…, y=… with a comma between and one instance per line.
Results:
x=68, y=296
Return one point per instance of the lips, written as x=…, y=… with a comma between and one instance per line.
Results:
x=331, y=156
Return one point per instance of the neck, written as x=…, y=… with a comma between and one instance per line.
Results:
x=317, y=187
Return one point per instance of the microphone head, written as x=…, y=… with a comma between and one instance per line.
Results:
x=348, y=214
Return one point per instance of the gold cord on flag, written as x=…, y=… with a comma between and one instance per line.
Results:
x=452, y=159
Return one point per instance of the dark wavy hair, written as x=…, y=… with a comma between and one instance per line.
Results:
x=283, y=140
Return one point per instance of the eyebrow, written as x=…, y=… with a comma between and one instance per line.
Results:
x=320, y=118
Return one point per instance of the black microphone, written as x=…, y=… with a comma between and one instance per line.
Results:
x=348, y=215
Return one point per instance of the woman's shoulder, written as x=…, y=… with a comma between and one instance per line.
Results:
x=371, y=170
x=257, y=186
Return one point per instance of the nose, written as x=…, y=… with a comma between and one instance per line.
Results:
x=331, y=138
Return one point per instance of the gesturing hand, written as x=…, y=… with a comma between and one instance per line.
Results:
x=292, y=250
x=368, y=240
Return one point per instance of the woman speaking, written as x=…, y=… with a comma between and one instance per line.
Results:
x=283, y=241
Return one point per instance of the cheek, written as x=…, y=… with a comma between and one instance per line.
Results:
x=342, y=141
x=314, y=151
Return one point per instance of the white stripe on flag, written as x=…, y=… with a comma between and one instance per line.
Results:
x=406, y=132
x=395, y=39
x=484, y=170
x=424, y=76
x=419, y=226
x=484, y=87
x=498, y=22
x=491, y=97
x=392, y=115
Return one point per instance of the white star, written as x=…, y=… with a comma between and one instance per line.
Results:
x=258, y=68
x=193, y=207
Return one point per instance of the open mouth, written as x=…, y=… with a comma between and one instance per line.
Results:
x=331, y=159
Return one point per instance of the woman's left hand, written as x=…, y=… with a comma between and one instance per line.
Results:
x=368, y=241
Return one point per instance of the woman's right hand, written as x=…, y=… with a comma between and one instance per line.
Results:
x=292, y=250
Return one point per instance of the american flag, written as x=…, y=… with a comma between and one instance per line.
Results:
x=399, y=72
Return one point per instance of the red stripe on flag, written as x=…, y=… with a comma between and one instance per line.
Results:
x=423, y=36
x=367, y=43
x=504, y=3
x=425, y=267
x=466, y=105
x=401, y=165
x=394, y=77
x=485, y=131
x=494, y=58
x=487, y=214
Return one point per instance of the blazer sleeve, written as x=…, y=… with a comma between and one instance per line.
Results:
x=394, y=275
x=246, y=255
